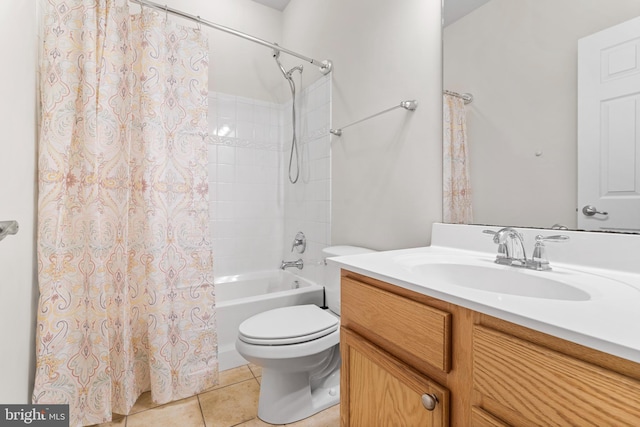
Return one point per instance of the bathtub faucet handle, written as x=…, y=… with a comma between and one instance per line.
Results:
x=299, y=243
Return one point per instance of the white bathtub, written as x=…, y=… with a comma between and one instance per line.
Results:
x=240, y=297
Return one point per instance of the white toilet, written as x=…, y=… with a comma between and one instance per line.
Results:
x=299, y=351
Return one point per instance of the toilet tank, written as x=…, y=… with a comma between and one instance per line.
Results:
x=332, y=273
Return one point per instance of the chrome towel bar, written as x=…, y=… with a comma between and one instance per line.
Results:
x=407, y=105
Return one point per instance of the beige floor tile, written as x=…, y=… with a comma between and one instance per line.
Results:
x=117, y=421
x=256, y=370
x=143, y=403
x=230, y=405
x=183, y=413
x=233, y=376
x=257, y=422
x=330, y=417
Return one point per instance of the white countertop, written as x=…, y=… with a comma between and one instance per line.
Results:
x=608, y=321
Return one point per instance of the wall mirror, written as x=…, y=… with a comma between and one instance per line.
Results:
x=520, y=61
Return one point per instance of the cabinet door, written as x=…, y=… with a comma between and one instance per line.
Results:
x=379, y=390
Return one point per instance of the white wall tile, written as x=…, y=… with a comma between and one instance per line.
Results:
x=226, y=155
x=225, y=192
x=244, y=130
x=256, y=212
x=226, y=173
x=244, y=111
x=262, y=114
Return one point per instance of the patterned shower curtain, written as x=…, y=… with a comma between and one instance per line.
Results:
x=127, y=301
x=456, y=183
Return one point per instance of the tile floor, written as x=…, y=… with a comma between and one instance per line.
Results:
x=233, y=402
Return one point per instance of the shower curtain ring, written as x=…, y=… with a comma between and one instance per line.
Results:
x=198, y=22
x=166, y=13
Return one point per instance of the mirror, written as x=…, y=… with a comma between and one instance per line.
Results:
x=519, y=60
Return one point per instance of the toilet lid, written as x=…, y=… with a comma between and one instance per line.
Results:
x=288, y=325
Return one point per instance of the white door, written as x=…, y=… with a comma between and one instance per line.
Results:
x=609, y=129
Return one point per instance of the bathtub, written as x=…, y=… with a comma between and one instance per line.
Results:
x=242, y=296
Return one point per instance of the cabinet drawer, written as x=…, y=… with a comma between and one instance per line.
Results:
x=549, y=388
x=420, y=330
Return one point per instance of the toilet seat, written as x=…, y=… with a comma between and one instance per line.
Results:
x=288, y=325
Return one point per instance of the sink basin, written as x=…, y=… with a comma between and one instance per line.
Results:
x=503, y=280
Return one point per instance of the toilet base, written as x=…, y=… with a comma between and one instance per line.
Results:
x=288, y=397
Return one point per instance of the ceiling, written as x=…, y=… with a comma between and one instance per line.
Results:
x=276, y=4
x=456, y=9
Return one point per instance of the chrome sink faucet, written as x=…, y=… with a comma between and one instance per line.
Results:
x=299, y=264
x=511, y=249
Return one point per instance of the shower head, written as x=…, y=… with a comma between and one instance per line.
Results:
x=287, y=74
x=298, y=68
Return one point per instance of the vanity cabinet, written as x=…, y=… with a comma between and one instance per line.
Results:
x=398, y=346
x=384, y=337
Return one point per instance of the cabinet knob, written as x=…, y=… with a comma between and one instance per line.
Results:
x=429, y=401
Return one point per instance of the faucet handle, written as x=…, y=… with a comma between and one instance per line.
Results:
x=539, y=260
x=502, y=247
x=555, y=238
x=299, y=243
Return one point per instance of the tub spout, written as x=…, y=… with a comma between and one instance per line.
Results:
x=298, y=264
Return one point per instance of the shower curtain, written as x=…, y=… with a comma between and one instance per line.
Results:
x=127, y=301
x=456, y=182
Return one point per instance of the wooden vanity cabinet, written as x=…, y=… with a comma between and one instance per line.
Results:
x=398, y=346
x=396, y=349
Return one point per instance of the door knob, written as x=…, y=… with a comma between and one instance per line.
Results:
x=429, y=401
x=590, y=210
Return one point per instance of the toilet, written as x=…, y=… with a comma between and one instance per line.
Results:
x=298, y=348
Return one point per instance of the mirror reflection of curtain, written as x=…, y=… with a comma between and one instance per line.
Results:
x=127, y=302
x=456, y=183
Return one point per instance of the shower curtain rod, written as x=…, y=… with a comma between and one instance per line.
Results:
x=407, y=105
x=466, y=97
x=325, y=66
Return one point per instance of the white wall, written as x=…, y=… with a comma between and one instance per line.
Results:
x=519, y=60
x=18, y=288
x=386, y=172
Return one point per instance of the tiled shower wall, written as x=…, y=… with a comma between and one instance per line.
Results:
x=255, y=211
x=307, y=204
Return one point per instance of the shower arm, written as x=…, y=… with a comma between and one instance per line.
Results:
x=326, y=66
x=287, y=74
